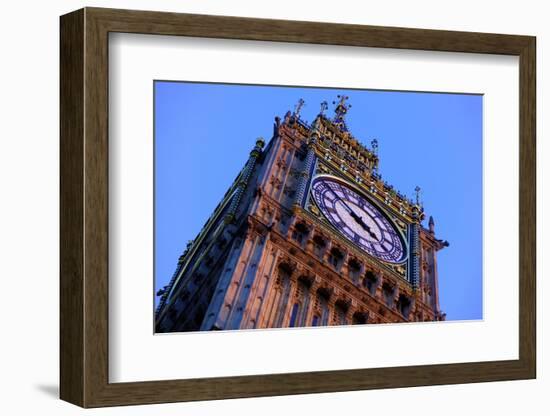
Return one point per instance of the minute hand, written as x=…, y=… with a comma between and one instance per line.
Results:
x=350, y=211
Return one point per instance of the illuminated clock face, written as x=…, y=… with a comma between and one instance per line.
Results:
x=358, y=219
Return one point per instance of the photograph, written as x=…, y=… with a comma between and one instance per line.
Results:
x=258, y=204
x=297, y=207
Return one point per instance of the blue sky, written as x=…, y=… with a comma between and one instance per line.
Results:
x=204, y=133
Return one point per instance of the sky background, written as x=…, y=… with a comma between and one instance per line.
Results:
x=204, y=133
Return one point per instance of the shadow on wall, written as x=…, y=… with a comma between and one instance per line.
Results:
x=48, y=389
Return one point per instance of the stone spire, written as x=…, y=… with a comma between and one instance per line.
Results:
x=244, y=178
x=417, y=192
x=431, y=225
x=316, y=125
x=298, y=107
x=340, y=112
x=374, y=145
x=324, y=107
x=310, y=156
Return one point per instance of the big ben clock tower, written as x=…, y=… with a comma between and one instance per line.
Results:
x=308, y=235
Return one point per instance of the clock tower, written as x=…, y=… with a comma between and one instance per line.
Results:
x=307, y=235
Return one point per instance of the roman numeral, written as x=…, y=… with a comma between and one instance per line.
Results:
x=383, y=245
x=329, y=196
x=340, y=223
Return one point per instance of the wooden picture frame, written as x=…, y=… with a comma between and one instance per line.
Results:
x=84, y=207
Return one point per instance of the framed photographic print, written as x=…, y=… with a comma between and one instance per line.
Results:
x=255, y=207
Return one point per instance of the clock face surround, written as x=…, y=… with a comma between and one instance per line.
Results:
x=358, y=219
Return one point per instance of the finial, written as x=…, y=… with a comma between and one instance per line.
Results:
x=340, y=111
x=257, y=150
x=287, y=118
x=298, y=107
x=342, y=107
x=374, y=145
x=431, y=225
x=276, y=126
x=417, y=194
x=343, y=99
x=260, y=142
x=324, y=107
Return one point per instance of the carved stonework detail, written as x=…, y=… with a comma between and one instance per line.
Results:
x=290, y=191
x=281, y=163
x=275, y=182
x=322, y=168
x=295, y=173
x=313, y=208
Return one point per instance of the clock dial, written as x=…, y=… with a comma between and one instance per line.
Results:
x=358, y=219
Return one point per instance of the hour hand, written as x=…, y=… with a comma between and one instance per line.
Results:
x=359, y=220
x=363, y=225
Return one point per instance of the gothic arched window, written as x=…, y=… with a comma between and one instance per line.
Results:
x=321, y=306
x=370, y=282
x=404, y=305
x=319, y=245
x=282, y=294
x=294, y=315
x=340, y=310
x=359, y=318
x=301, y=304
x=300, y=233
x=335, y=258
x=354, y=270
x=388, y=291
